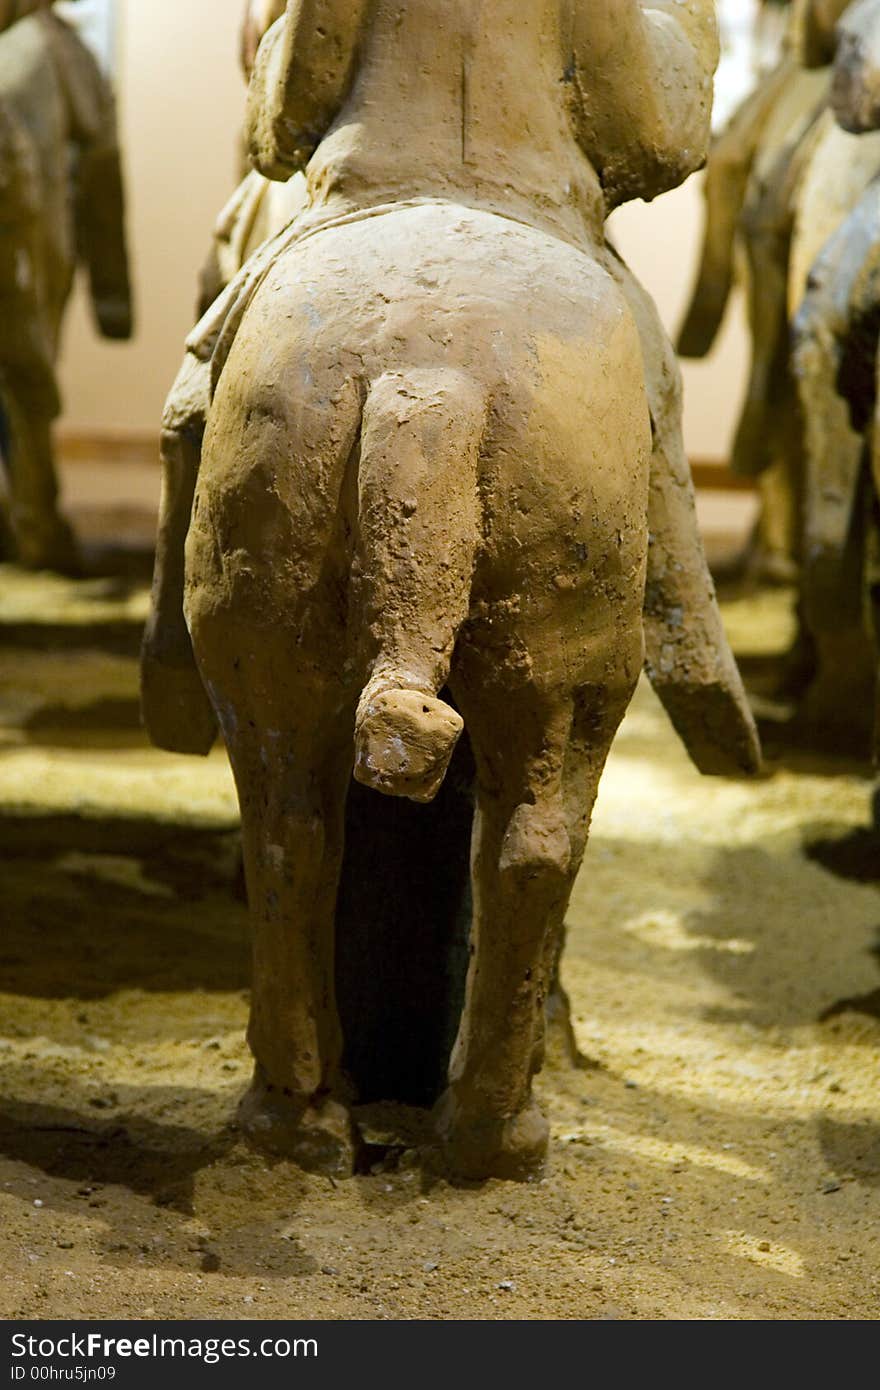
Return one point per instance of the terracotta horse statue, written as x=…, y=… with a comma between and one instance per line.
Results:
x=422, y=503
x=62, y=206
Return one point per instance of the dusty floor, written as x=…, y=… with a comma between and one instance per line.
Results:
x=721, y=1160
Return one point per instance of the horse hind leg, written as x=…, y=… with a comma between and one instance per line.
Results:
x=540, y=753
x=265, y=568
x=418, y=524
x=293, y=781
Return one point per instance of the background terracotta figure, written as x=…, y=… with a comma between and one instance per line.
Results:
x=755, y=166
x=821, y=18
x=62, y=206
x=408, y=713
x=856, y=87
x=782, y=180
x=836, y=335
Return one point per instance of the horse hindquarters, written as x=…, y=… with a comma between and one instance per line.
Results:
x=308, y=580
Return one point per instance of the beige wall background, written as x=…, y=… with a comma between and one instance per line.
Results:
x=181, y=99
x=661, y=243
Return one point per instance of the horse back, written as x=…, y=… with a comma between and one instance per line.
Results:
x=537, y=325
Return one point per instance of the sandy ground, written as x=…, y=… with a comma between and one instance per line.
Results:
x=718, y=1159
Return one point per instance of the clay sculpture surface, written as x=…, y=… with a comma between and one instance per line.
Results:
x=422, y=505
x=62, y=205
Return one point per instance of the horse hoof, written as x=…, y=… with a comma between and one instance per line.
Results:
x=514, y=1149
x=175, y=709
x=404, y=741
x=51, y=547
x=318, y=1136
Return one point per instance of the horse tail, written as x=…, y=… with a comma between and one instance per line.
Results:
x=419, y=529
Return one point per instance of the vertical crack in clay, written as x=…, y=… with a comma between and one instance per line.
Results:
x=470, y=29
x=465, y=99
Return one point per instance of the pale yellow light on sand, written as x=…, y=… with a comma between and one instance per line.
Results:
x=722, y=1160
